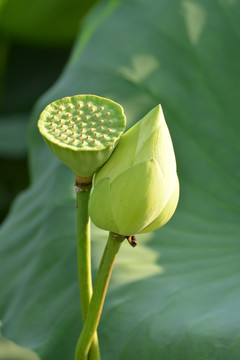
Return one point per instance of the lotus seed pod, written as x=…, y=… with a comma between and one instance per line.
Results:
x=137, y=190
x=82, y=131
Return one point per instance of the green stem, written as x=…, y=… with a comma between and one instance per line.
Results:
x=99, y=293
x=84, y=262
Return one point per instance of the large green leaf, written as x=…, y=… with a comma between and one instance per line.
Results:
x=175, y=296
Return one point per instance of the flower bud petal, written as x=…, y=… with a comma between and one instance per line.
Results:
x=167, y=211
x=137, y=189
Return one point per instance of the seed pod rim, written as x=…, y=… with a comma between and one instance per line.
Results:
x=63, y=145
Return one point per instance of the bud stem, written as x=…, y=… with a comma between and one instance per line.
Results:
x=99, y=293
x=84, y=261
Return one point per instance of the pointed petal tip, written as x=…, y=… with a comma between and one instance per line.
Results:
x=156, y=115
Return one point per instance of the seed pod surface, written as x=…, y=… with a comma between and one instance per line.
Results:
x=82, y=130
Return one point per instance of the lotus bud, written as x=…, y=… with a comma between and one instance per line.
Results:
x=82, y=131
x=137, y=189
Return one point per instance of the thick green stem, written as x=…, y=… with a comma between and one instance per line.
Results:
x=84, y=262
x=99, y=293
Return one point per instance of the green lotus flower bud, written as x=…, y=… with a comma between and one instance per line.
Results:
x=82, y=131
x=137, y=190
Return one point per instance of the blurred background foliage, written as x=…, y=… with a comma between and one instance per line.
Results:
x=176, y=296
x=35, y=42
